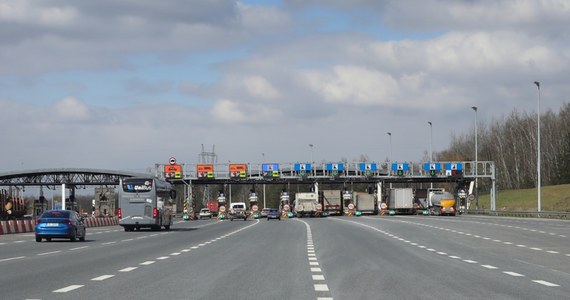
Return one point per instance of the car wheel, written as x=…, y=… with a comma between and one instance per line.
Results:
x=38, y=239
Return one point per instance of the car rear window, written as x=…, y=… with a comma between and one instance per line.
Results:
x=56, y=214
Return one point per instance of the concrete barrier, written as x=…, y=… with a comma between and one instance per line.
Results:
x=22, y=226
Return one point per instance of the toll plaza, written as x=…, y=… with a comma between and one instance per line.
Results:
x=379, y=175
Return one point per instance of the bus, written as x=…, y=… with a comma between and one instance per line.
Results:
x=145, y=203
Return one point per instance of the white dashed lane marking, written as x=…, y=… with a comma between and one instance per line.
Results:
x=487, y=238
x=68, y=289
x=12, y=258
x=489, y=267
x=320, y=286
x=128, y=269
x=102, y=277
x=546, y=283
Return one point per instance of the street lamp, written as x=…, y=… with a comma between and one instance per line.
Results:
x=430, y=141
x=390, y=135
x=538, y=142
x=476, y=173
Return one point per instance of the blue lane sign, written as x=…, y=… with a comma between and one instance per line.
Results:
x=269, y=167
x=400, y=167
x=335, y=167
x=454, y=167
x=368, y=167
x=302, y=167
x=432, y=167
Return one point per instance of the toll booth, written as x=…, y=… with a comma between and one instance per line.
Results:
x=254, y=205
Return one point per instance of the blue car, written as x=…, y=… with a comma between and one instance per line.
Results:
x=273, y=213
x=65, y=224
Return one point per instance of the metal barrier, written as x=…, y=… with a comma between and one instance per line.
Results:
x=523, y=214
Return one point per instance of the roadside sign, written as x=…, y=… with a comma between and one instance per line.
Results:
x=400, y=167
x=172, y=160
x=432, y=167
x=270, y=170
x=303, y=167
x=238, y=170
x=205, y=171
x=173, y=171
x=335, y=167
x=368, y=167
x=454, y=166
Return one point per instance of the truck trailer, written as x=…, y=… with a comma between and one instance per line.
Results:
x=401, y=200
x=331, y=201
x=306, y=204
x=365, y=203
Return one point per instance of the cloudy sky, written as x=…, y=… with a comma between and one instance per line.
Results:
x=122, y=84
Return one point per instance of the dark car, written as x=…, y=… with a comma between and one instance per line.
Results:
x=273, y=213
x=65, y=224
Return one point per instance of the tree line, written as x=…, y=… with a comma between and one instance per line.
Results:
x=511, y=142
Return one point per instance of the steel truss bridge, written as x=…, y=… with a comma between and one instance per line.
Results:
x=67, y=176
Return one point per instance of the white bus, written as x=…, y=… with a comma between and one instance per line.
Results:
x=145, y=203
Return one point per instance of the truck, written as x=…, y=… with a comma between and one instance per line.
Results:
x=306, y=204
x=441, y=203
x=238, y=210
x=213, y=207
x=365, y=203
x=331, y=201
x=401, y=200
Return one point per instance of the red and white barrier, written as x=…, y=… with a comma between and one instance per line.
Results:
x=22, y=226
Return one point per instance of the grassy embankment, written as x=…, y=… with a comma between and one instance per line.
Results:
x=553, y=198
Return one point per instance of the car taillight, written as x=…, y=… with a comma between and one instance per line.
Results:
x=155, y=213
x=119, y=213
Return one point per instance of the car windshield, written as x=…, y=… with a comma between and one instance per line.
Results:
x=56, y=214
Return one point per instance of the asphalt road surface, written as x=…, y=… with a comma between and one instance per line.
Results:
x=371, y=257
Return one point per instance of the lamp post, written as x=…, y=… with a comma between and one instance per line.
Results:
x=476, y=163
x=538, y=143
x=430, y=147
x=430, y=141
x=390, y=135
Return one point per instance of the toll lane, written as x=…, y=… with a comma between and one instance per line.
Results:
x=412, y=257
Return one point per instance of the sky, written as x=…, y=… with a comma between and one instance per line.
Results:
x=125, y=85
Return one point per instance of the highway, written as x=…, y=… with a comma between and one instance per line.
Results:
x=369, y=257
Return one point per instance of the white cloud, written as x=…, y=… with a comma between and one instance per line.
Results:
x=259, y=87
x=71, y=109
x=227, y=111
x=353, y=85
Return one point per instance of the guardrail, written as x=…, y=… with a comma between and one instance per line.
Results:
x=524, y=214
